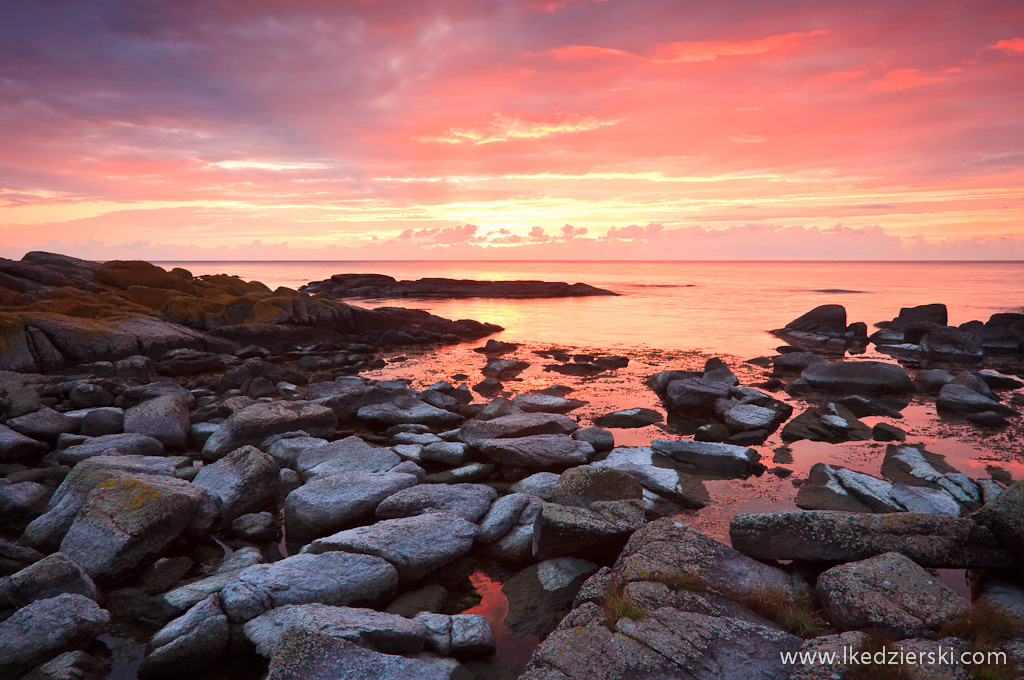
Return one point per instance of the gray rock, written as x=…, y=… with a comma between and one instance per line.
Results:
x=173, y=603
x=832, y=423
x=930, y=381
x=960, y=399
x=600, y=529
x=545, y=403
x=541, y=594
x=668, y=547
x=924, y=499
x=163, y=418
x=286, y=449
x=46, y=628
x=44, y=424
x=255, y=423
x=76, y=665
x=190, y=644
x=17, y=448
x=932, y=541
x=306, y=655
x=449, y=453
x=794, y=363
x=88, y=395
x=21, y=503
x=884, y=432
x=695, y=396
x=53, y=575
x=709, y=455
x=330, y=503
x=504, y=369
x=501, y=517
x=839, y=488
x=350, y=454
x=1004, y=517
x=469, y=501
x=516, y=545
x=600, y=438
x=830, y=647
x=416, y=546
x=245, y=480
x=127, y=521
x=470, y=472
x=100, y=421
x=429, y=598
x=540, y=484
x=517, y=425
x=915, y=466
x=668, y=482
x=536, y=451
x=365, y=627
x=631, y=417
x=749, y=417
x=408, y=409
x=127, y=444
x=22, y=400
x=859, y=377
x=889, y=593
x=471, y=635
x=256, y=527
x=333, y=578
x=664, y=644
x=581, y=486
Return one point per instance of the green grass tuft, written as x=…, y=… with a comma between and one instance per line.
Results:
x=877, y=642
x=796, y=613
x=618, y=605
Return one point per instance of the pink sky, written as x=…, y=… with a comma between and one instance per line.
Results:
x=528, y=129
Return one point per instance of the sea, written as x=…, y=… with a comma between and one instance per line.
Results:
x=676, y=315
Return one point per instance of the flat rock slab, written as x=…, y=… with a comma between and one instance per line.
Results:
x=126, y=444
x=350, y=454
x=468, y=501
x=406, y=409
x=416, y=546
x=630, y=417
x=537, y=451
x=859, y=377
x=335, y=578
x=929, y=540
x=709, y=455
x=305, y=655
x=668, y=547
x=599, y=530
x=330, y=503
x=517, y=425
x=889, y=593
x=255, y=423
x=365, y=627
x=664, y=644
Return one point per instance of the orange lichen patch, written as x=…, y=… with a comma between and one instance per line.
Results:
x=125, y=273
x=192, y=311
x=8, y=298
x=86, y=309
x=265, y=311
x=234, y=284
x=287, y=293
x=154, y=298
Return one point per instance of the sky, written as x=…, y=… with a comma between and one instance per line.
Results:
x=512, y=129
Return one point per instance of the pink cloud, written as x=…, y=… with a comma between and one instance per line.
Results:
x=1013, y=46
x=903, y=79
x=713, y=50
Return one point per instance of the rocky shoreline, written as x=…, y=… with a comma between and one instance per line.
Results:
x=383, y=286
x=250, y=504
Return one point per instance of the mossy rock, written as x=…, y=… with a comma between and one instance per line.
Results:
x=125, y=273
x=154, y=298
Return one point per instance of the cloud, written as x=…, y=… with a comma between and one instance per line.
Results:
x=903, y=79
x=1013, y=46
x=713, y=50
x=503, y=127
x=634, y=231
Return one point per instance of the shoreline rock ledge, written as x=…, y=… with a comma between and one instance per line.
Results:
x=383, y=286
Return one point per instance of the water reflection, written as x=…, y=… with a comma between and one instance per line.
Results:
x=493, y=606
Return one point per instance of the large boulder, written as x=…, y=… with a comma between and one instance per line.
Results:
x=468, y=501
x=416, y=546
x=709, y=455
x=334, y=578
x=888, y=593
x=536, y=451
x=1004, y=517
x=666, y=643
x=666, y=547
x=127, y=522
x=164, y=418
x=961, y=399
x=930, y=540
x=599, y=530
x=581, y=486
x=303, y=654
x=175, y=602
x=18, y=448
x=255, y=423
x=190, y=644
x=51, y=576
x=46, y=628
x=245, y=481
x=365, y=627
x=350, y=454
x=405, y=409
x=330, y=503
x=44, y=424
x=695, y=396
x=822, y=320
x=859, y=377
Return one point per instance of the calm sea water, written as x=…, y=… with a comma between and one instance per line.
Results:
x=723, y=307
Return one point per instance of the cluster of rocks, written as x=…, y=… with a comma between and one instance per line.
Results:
x=679, y=604
x=383, y=286
x=58, y=312
x=581, y=365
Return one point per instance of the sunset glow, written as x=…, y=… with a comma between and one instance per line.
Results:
x=526, y=129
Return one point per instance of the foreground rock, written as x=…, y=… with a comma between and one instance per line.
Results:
x=382, y=286
x=257, y=422
x=46, y=628
x=929, y=540
x=888, y=593
x=859, y=377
